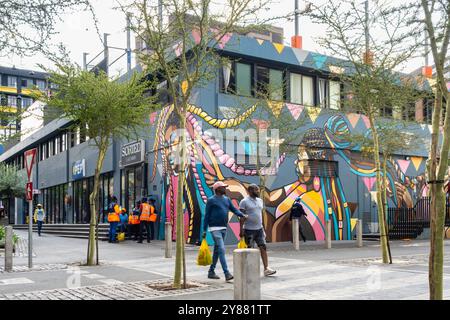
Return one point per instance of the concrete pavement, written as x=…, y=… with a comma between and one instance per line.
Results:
x=127, y=268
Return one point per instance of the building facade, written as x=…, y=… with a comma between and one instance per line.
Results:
x=329, y=173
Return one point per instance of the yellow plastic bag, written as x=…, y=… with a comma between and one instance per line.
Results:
x=121, y=236
x=204, y=257
x=242, y=244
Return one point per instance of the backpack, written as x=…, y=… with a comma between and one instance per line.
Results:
x=297, y=210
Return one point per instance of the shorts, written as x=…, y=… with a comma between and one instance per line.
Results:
x=258, y=236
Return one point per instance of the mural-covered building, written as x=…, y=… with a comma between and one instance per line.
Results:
x=326, y=170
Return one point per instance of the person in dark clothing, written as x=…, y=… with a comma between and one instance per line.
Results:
x=153, y=218
x=134, y=221
x=216, y=221
x=297, y=212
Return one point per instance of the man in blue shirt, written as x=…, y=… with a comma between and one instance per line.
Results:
x=216, y=218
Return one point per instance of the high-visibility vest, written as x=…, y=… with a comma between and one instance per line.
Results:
x=146, y=211
x=134, y=219
x=114, y=216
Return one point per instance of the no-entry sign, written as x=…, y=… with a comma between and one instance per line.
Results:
x=30, y=157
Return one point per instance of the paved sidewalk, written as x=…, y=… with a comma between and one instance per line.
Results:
x=313, y=272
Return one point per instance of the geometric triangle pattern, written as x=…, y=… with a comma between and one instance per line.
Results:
x=403, y=164
x=369, y=182
x=417, y=161
x=314, y=113
x=279, y=47
x=353, y=118
x=276, y=107
x=366, y=121
x=295, y=109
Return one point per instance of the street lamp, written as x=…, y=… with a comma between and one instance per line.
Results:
x=296, y=40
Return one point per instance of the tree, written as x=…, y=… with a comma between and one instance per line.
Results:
x=12, y=182
x=437, y=24
x=105, y=110
x=26, y=27
x=183, y=51
x=372, y=84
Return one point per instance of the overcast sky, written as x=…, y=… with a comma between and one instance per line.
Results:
x=78, y=34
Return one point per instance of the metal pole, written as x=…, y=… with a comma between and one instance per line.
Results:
x=168, y=238
x=328, y=235
x=297, y=14
x=359, y=240
x=366, y=27
x=426, y=47
x=128, y=42
x=85, y=54
x=106, y=52
x=30, y=234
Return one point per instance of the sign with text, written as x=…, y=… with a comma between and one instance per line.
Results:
x=79, y=169
x=132, y=153
x=30, y=157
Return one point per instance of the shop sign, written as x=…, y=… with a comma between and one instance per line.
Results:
x=132, y=153
x=79, y=169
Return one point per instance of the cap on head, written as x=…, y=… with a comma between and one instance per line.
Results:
x=39, y=205
x=219, y=184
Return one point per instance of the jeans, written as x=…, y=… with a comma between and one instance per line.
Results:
x=219, y=251
x=112, y=230
x=39, y=225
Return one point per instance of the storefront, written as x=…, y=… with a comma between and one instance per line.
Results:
x=133, y=182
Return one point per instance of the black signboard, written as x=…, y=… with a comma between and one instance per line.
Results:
x=132, y=153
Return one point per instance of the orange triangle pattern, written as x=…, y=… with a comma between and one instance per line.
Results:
x=279, y=47
x=276, y=107
x=417, y=161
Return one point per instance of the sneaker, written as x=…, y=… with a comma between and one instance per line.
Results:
x=213, y=276
x=269, y=272
x=229, y=277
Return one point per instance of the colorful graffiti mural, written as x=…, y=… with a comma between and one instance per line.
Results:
x=324, y=191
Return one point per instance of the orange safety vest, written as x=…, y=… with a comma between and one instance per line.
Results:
x=134, y=219
x=146, y=211
x=114, y=216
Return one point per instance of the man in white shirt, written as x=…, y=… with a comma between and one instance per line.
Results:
x=252, y=206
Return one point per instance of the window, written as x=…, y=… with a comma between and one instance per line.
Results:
x=387, y=112
x=243, y=79
x=427, y=110
x=269, y=83
x=41, y=84
x=26, y=102
x=57, y=145
x=335, y=95
x=63, y=142
x=12, y=101
x=323, y=93
x=12, y=82
x=302, y=89
x=409, y=112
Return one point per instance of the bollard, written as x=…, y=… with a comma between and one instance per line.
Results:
x=295, y=233
x=247, y=276
x=168, y=238
x=359, y=240
x=8, y=248
x=328, y=235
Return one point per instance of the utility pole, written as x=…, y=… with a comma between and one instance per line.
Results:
x=85, y=67
x=366, y=27
x=297, y=14
x=128, y=42
x=426, y=47
x=106, y=52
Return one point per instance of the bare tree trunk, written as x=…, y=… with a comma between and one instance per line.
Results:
x=179, y=213
x=380, y=207
x=92, y=201
x=385, y=206
x=436, y=262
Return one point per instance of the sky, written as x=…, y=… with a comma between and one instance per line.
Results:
x=78, y=33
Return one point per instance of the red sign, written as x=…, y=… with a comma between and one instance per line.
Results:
x=29, y=191
x=30, y=156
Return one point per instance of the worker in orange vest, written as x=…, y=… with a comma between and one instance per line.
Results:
x=134, y=222
x=146, y=210
x=113, y=218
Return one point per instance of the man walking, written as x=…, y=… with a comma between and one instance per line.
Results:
x=216, y=220
x=297, y=212
x=39, y=217
x=252, y=206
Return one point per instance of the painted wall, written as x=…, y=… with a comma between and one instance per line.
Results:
x=346, y=196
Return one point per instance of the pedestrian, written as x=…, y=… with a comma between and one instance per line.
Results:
x=134, y=222
x=153, y=219
x=297, y=212
x=145, y=211
x=113, y=219
x=123, y=220
x=253, y=229
x=216, y=220
x=39, y=217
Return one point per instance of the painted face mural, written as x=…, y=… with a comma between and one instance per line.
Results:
x=323, y=153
